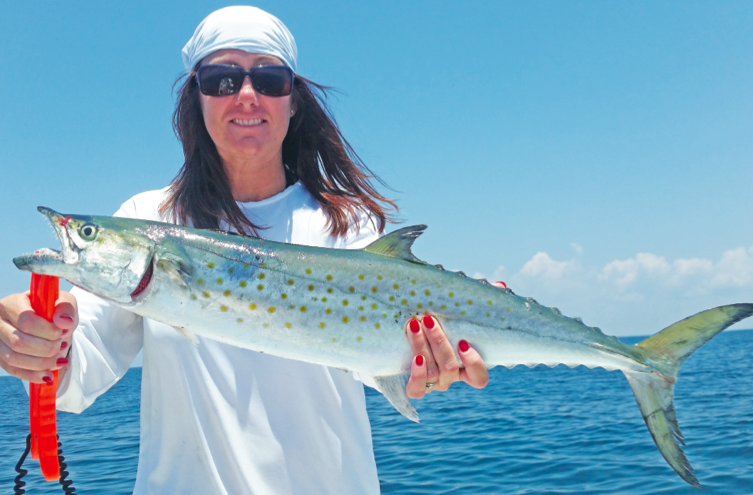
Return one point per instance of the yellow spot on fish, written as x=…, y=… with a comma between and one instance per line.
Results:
x=395, y=286
x=239, y=320
x=223, y=308
x=271, y=309
x=374, y=306
x=489, y=303
x=283, y=296
x=329, y=290
x=419, y=306
x=345, y=302
x=252, y=306
x=346, y=319
x=379, y=277
x=292, y=306
x=328, y=311
x=231, y=270
x=303, y=309
x=316, y=298
x=457, y=304
x=360, y=308
x=260, y=287
x=392, y=298
x=321, y=325
x=243, y=283
x=261, y=276
x=487, y=314
x=334, y=339
x=210, y=265
x=219, y=281
x=361, y=277
x=377, y=326
x=451, y=294
x=329, y=278
x=245, y=267
x=412, y=293
x=266, y=325
x=311, y=287
x=470, y=301
x=291, y=281
x=431, y=303
x=308, y=271
x=226, y=293
x=193, y=297
x=384, y=315
x=206, y=294
x=413, y=282
x=288, y=325
x=200, y=281
x=427, y=292
x=404, y=301
x=264, y=264
x=462, y=312
x=324, y=299
x=507, y=309
x=363, y=298
x=359, y=338
x=374, y=289
x=363, y=318
x=351, y=289
x=443, y=307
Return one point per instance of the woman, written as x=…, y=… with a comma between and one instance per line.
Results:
x=262, y=156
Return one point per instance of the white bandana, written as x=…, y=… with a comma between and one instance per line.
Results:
x=243, y=28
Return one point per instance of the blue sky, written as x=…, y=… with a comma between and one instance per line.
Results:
x=594, y=155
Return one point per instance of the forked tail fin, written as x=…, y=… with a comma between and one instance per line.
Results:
x=654, y=391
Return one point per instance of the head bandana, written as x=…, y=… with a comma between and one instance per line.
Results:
x=243, y=28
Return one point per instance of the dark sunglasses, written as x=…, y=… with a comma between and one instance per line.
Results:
x=225, y=80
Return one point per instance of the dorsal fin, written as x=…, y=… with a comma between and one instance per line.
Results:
x=397, y=244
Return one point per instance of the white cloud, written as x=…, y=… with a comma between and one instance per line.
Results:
x=636, y=295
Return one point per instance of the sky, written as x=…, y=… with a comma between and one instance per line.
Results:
x=596, y=156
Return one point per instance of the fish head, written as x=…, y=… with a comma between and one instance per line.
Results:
x=103, y=255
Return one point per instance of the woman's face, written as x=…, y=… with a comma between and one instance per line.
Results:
x=246, y=126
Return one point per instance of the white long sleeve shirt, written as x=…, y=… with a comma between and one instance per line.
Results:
x=216, y=419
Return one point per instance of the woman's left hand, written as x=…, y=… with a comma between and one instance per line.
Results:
x=435, y=366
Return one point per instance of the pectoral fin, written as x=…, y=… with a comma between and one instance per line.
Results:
x=188, y=334
x=393, y=387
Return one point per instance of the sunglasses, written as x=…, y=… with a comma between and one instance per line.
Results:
x=225, y=80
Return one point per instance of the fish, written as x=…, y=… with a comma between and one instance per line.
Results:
x=347, y=308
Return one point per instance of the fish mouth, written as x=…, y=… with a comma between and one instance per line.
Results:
x=44, y=260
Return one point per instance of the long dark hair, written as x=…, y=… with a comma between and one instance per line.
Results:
x=314, y=151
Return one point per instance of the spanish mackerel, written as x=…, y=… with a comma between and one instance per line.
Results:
x=347, y=308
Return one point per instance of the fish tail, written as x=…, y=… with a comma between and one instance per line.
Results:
x=654, y=391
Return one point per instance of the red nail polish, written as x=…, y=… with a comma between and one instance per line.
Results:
x=428, y=322
x=414, y=325
x=62, y=361
x=63, y=345
x=463, y=346
x=501, y=282
x=67, y=317
x=419, y=360
x=46, y=379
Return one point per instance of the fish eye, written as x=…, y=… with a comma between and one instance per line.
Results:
x=88, y=232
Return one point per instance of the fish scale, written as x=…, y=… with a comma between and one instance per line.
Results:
x=347, y=309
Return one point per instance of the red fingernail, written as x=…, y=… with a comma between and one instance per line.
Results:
x=62, y=361
x=67, y=317
x=428, y=322
x=419, y=360
x=63, y=345
x=46, y=379
x=414, y=325
x=501, y=282
x=463, y=346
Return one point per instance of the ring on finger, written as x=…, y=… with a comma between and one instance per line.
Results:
x=430, y=385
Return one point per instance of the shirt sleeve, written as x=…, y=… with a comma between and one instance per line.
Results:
x=104, y=345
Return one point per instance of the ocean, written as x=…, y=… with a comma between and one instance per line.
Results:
x=531, y=431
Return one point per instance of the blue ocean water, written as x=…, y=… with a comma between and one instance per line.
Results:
x=531, y=431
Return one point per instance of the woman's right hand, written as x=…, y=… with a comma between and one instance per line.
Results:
x=30, y=346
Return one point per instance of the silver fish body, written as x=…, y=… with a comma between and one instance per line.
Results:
x=347, y=308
